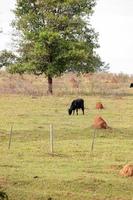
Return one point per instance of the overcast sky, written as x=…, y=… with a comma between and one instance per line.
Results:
x=113, y=19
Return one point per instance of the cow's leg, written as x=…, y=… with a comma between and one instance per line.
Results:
x=83, y=110
x=73, y=112
x=77, y=111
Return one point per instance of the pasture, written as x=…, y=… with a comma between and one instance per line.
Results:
x=29, y=172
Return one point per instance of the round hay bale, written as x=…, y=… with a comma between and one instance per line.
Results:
x=127, y=170
x=100, y=123
x=99, y=105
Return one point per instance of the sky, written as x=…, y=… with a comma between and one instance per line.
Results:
x=6, y=17
x=112, y=19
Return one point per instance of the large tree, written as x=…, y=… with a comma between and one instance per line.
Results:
x=56, y=36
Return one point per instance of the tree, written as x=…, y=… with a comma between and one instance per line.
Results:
x=56, y=36
x=6, y=58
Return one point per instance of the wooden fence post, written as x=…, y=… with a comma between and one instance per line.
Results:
x=93, y=141
x=51, y=139
x=10, y=137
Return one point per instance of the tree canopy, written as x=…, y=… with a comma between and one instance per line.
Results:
x=56, y=36
x=6, y=58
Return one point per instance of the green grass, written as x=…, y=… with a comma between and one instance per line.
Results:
x=29, y=172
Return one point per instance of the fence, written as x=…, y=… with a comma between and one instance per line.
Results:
x=78, y=127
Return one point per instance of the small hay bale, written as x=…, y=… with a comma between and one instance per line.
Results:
x=127, y=170
x=100, y=123
x=99, y=105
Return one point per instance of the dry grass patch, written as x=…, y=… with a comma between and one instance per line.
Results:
x=3, y=182
x=69, y=83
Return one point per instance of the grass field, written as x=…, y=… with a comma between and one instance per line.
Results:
x=29, y=172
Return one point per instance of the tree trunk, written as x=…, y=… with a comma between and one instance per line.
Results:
x=50, y=85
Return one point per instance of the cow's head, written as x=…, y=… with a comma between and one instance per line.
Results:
x=69, y=111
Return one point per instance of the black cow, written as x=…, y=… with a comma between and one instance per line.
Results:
x=131, y=85
x=75, y=105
